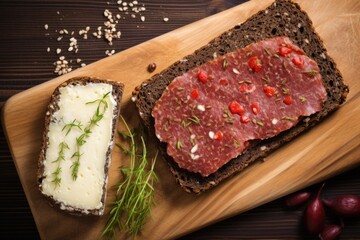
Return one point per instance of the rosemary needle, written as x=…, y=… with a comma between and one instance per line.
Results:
x=135, y=193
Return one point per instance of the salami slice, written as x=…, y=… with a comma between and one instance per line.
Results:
x=208, y=115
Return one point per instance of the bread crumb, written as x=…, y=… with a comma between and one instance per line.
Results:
x=166, y=19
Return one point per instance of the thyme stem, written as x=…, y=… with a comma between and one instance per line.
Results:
x=61, y=156
x=81, y=140
x=135, y=193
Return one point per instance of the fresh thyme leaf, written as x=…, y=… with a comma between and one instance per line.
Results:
x=61, y=156
x=194, y=119
x=69, y=126
x=178, y=144
x=311, y=73
x=135, y=193
x=225, y=63
x=81, y=140
x=75, y=168
x=289, y=118
x=126, y=135
x=123, y=148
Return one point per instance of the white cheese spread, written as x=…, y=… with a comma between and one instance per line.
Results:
x=87, y=190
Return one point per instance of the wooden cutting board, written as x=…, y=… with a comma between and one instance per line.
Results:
x=328, y=149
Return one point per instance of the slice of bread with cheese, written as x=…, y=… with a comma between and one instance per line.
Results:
x=78, y=137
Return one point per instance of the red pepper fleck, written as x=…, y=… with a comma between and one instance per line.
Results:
x=255, y=64
x=236, y=108
x=242, y=87
x=287, y=100
x=284, y=51
x=269, y=91
x=244, y=119
x=255, y=108
x=202, y=77
x=194, y=94
x=298, y=61
x=224, y=82
x=219, y=135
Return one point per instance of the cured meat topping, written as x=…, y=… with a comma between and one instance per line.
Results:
x=208, y=115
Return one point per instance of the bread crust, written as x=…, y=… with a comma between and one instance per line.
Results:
x=282, y=18
x=52, y=107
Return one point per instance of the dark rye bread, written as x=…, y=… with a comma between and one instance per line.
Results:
x=282, y=18
x=117, y=92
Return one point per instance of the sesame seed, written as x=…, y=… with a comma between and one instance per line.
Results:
x=166, y=19
x=108, y=31
x=194, y=157
x=274, y=121
x=194, y=148
x=235, y=71
x=211, y=134
x=201, y=108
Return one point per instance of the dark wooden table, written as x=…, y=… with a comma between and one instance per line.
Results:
x=25, y=62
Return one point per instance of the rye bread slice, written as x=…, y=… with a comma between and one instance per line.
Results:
x=53, y=106
x=282, y=18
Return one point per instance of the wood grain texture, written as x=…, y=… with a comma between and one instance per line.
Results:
x=185, y=213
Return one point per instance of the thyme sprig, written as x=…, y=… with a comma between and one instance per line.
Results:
x=69, y=126
x=61, y=156
x=81, y=140
x=135, y=193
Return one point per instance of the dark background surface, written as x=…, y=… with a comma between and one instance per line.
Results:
x=25, y=62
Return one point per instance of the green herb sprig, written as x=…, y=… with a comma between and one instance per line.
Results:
x=61, y=156
x=135, y=193
x=81, y=140
x=69, y=126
